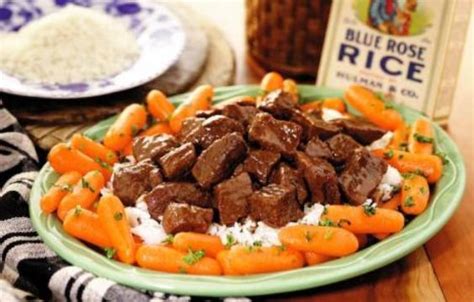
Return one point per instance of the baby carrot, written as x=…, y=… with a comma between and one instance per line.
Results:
x=211, y=245
x=248, y=100
x=367, y=103
x=313, y=105
x=166, y=259
x=158, y=105
x=127, y=125
x=315, y=258
x=199, y=99
x=85, y=225
x=156, y=129
x=243, y=260
x=93, y=149
x=324, y=240
x=225, y=263
x=113, y=219
x=271, y=81
x=50, y=201
x=400, y=136
x=430, y=166
x=64, y=159
x=84, y=193
x=391, y=204
x=290, y=87
x=362, y=220
x=334, y=104
x=421, y=138
x=415, y=194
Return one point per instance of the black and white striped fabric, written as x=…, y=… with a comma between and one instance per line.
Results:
x=29, y=270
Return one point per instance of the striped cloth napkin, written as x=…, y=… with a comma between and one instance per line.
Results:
x=29, y=270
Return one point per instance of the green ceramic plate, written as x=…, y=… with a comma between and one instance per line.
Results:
x=445, y=200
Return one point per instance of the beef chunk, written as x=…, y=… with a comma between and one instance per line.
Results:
x=286, y=176
x=179, y=192
x=130, y=181
x=361, y=176
x=153, y=147
x=314, y=127
x=214, y=128
x=178, y=161
x=317, y=148
x=320, y=177
x=216, y=162
x=186, y=218
x=362, y=131
x=231, y=198
x=275, y=135
x=242, y=114
x=259, y=164
x=278, y=103
x=275, y=205
x=208, y=113
x=189, y=127
x=342, y=146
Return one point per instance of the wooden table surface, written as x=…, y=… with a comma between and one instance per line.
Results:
x=441, y=270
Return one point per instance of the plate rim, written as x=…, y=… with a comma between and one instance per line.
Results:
x=264, y=283
x=71, y=96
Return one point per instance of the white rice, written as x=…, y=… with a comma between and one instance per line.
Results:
x=73, y=45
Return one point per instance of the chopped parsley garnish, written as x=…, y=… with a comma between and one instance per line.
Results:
x=369, y=208
x=193, y=256
x=443, y=157
x=325, y=210
x=109, y=252
x=403, y=146
x=230, y=241
x=419, y=172
x=103, y=164
x=409, y=202
x=388, y=154
x=423, y=139
x=342, y=221
x=64, y=187
x=134, y=130
x=326, y=222
x=257, y=243
x=86, y=185
x=308, y=236
x=169, y=239
x=77, y=210
x=407, y=175
x=406, y=188
x=118, y=216
x=388, y=105
x=281, y=248
x=422, y=190
x=328, y=234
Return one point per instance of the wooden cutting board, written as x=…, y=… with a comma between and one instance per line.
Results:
x=207, y=58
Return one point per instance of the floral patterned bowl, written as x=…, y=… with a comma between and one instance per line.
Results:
x=159, y=34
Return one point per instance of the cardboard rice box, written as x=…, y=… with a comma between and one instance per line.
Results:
x=410, y=50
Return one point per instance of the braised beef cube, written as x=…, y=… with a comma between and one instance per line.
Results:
x=362, y=131
x=317, y=148
x=314, y=127
x=153, y=147
x=259, y=164
x=178, y=161
x=275, y=135
x=130, y=181
x=180, y=217
x=189, y=127
x=320, y=177
x=208, y=113
x=216, y=127
x=238, y=170
x=342, y=146
x=242, y=114
x=231, y=198
x=361, y=176
x=179, y=192
x=275, y=205
x=218, y=160
x=286, y=176
x=278, y=103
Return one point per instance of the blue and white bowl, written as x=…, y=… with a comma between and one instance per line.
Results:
x=159, y=34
